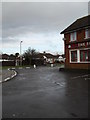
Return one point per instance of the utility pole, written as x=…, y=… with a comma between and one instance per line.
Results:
x=21, y=53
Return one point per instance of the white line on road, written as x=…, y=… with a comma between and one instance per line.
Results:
x=87, y=78
x=6, y=79
x=20, y=68
x=27, y=67
x=80, y=76
x=15, y=73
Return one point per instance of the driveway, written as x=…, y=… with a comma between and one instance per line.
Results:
x=46, y=92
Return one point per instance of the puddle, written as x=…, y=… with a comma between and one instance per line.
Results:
x=73, y=114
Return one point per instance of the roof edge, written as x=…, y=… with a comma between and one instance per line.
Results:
x=68, y=29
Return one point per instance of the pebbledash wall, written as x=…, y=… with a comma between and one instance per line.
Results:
x=77, y=44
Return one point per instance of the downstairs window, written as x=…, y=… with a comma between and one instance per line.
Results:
x=73, y=56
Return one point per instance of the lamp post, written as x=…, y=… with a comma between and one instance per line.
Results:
x=21, y=53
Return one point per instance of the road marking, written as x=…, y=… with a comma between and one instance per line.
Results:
x=15, y=73
x=80, y=76
x=87, y=78
x=7, y=79
x=27, y=67
x=13, y=68
x=20, y=68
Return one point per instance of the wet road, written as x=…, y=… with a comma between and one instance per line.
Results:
x=46, y=93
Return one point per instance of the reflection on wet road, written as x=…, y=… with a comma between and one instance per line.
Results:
x=46, y=93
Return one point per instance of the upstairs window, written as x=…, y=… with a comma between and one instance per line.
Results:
x=87, y=33
x=73, y=36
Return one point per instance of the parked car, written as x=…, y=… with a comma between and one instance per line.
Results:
x=61, y=59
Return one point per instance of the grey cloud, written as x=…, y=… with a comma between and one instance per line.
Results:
x=40, y=15
x=9, y=40
x=19, y=18
x=45, y=0
x=89, y=8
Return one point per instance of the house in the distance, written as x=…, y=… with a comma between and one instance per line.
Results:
x=52, y=58
x=7, y=60
x=47, y=58
x=77, y=44
x=5, y=57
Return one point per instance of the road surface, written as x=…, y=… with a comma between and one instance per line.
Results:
x=46, y=92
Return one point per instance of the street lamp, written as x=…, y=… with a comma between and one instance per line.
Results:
x=20, y=52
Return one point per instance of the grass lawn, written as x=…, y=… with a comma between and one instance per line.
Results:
x=48, y=65
x=6, y=67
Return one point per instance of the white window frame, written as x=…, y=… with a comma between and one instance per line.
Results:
x=73, y=35
x=87, y=33
x=78, y=56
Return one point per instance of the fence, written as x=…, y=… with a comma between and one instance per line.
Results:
x=8, y=63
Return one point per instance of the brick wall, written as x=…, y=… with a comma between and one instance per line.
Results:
x=80, y=38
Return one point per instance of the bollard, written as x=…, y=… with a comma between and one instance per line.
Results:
x=34, y=66
x=51, y=65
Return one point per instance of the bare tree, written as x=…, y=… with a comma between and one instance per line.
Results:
x=29, y=54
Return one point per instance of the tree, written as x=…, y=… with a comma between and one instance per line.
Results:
x=12, y=57
x=16, y=55
x=29, y=54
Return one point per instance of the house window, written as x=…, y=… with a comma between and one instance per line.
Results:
x=73, y=36
x=87, y=33
x=73, y=56
x=84, y=55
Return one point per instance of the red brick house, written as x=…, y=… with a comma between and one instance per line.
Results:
x=77, y=44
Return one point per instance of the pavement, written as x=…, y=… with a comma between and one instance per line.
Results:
x=46, y=92
x=7, y=74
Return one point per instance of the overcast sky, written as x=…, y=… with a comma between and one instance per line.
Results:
x=38, y=24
